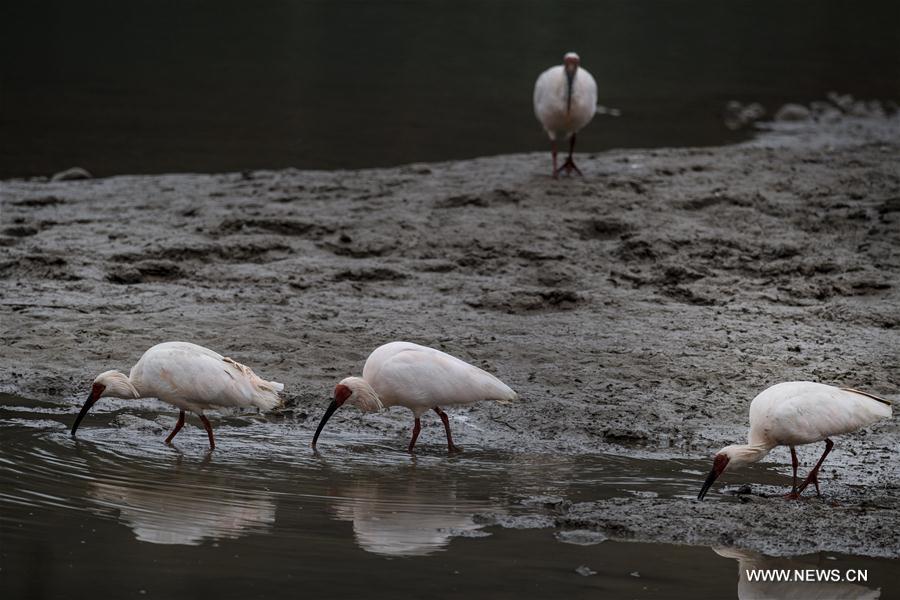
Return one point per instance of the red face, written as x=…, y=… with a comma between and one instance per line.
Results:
x=96, y=390
x=719, y=464
x=341, y=393
x=571, y=63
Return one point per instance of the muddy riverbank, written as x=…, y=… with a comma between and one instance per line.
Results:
x=636, y=310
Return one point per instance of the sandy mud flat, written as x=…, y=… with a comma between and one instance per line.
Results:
x=636, y=310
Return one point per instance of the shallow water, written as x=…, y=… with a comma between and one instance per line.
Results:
x=120, y=514
x=166, y=86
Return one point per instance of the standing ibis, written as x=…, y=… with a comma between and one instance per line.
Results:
x=796, y=413
x=192, y=378
x=419, y=378
x=565, y=100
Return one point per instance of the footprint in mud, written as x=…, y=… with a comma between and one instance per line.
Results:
x=20, y=231
x=250, y=250
x=528, y=300
x=37, y=266
x=40, y=201
x=601, y=229
x=369, y=274
x=281, y=226
x=359, y=246
x=497, y=196
x=145, y=271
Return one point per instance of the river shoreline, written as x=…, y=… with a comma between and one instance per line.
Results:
x=636, y=310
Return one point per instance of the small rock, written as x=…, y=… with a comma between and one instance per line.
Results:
x=581, y=537
x=72, y=174
x=585, y=571
x=793, y=113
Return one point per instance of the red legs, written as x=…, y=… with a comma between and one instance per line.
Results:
x=814, y=474
x=178, y=427
x=416, y=429
x=795, y=463
x=212, y=442
x=180, y=424
x=569, y=165
x=450, y=445
x=555, y=171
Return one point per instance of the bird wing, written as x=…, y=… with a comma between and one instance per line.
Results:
x=868, y=395
x=548, y=93
x=802, y=412
x=414, y=375
x=187, y=374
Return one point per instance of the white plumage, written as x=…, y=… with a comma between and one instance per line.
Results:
x=419, y=378
x=188, y=376
x=565, y=100
x=796, y=413
x=802, y=412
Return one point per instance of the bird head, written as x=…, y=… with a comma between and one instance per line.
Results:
x=352, y=390
x=108, y=383
x=720, y=463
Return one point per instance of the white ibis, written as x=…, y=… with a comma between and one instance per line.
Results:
x=796, y=413
x=565, y=100
x=419, y=378
x=192, y=378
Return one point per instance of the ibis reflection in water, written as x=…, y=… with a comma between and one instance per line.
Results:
x=176, y=508
x=752, y=564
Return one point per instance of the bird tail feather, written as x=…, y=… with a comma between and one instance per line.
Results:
x=266, y=393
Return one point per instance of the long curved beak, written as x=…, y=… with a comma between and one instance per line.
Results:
x=92, y=398
x=330, y=411
x=570, y=79
x=713, y=475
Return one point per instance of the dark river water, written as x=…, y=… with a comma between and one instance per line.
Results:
x=117, y=514
x=211, y=86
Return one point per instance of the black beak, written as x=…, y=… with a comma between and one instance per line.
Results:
x=708, y=483
x=570, y=77
x=331, y=408
x=84, y=410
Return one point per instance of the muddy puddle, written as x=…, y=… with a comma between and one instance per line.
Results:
x=119, y=513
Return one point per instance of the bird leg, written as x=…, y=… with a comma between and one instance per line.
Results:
x=813, y=476
x=212, y=442
x=178, y=427
x=569, y=165
x=795, y=463
x=555, y=172
x=451, y=447
x=416, y=429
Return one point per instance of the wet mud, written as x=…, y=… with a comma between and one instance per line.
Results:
x=636, y=310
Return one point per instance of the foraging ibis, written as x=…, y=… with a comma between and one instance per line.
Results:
x=565, y=100
x=796, y=413
x=192, y=378
x=419, y=378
